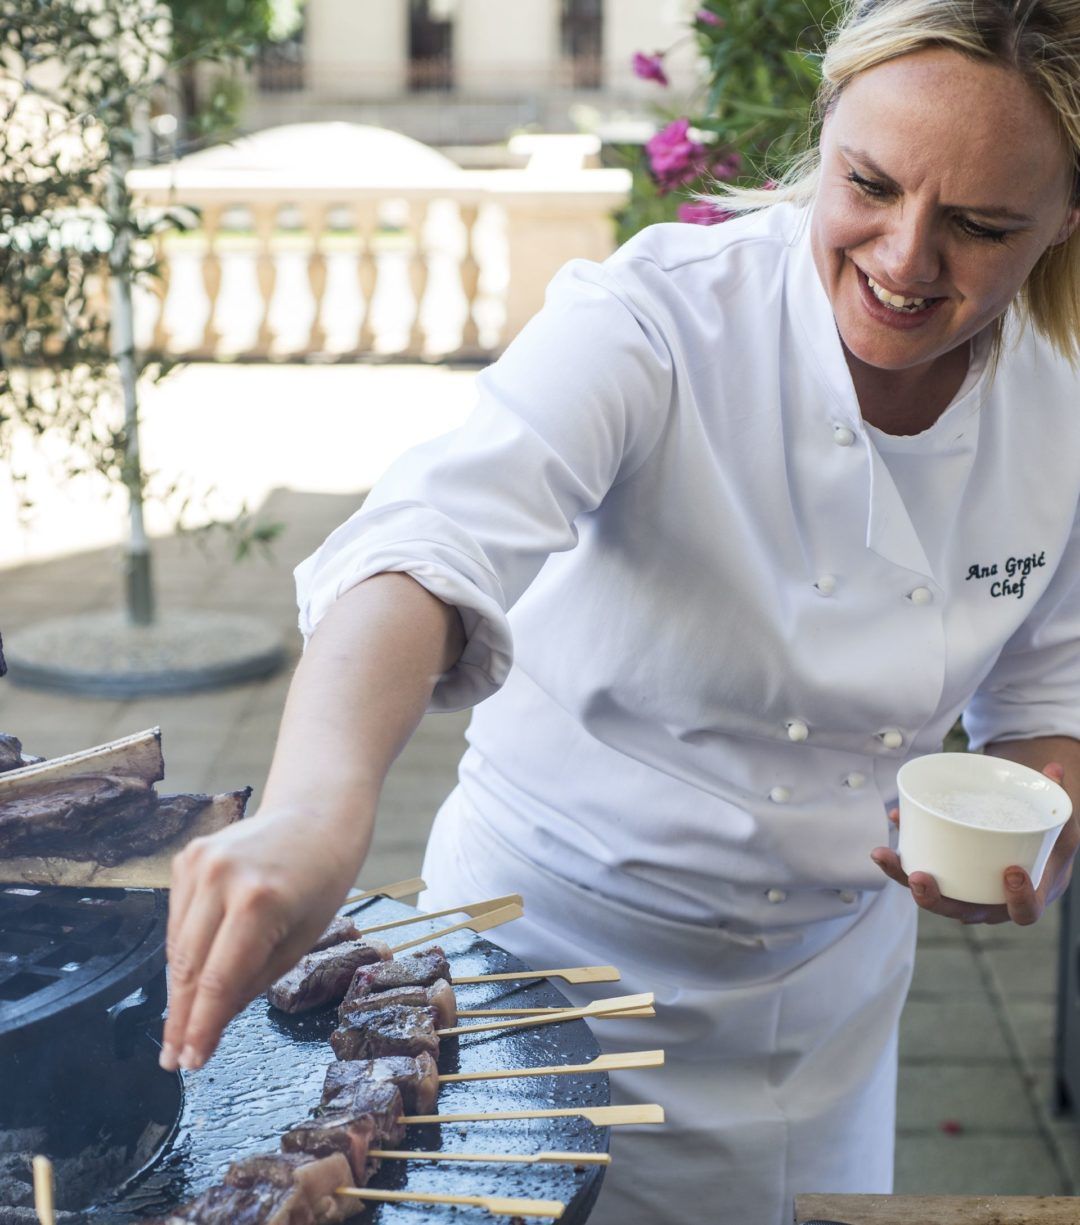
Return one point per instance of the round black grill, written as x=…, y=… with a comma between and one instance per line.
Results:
x=65, y=953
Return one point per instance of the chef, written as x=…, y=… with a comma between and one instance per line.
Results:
x=743, y=520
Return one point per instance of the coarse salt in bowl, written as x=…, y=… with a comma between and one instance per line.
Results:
x=965, y=818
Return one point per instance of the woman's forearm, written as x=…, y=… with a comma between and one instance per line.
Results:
x=356, y=697
x=1040, y=752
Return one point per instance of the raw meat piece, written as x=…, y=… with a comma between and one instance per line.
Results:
x=396, y=1030
x=321, y=978
x=341, y=929
x=338, y=1131
x=380, y=1099
x=413, y=970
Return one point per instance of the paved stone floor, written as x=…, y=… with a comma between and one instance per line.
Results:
x=977, y=1034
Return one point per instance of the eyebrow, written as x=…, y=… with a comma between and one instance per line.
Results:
x=989, y=210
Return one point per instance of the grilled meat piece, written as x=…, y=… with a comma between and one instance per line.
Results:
x=75, y=817
x=439, y=995
x=321, y=977
x=355, y=1094
x=413, y=970
x=417, y=1079
x=313, y=1178
x=341, y=929
x=338, y=1131
x=11, y=757
x=397, y=1030
x=257, y=1205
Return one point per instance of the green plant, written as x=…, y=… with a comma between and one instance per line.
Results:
x=761, y=62
x=78, y=79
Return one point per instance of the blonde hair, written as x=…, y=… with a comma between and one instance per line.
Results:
x=1040, y=39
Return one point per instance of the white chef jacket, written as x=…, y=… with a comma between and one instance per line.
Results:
x=706, y=625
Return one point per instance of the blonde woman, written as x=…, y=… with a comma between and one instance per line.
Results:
x=727, y=540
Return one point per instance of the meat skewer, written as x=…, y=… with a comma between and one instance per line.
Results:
x=602, y=1063
x=599, y=1116
x=496, y=1158
x=616, y=1003
x=474, y=909
x=400, y=889
x=495, y=1204
x=43, y=1190
x=485, y=922
x=323, y=976
x=576, y=974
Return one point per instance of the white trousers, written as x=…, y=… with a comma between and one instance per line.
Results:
x=780, y=1075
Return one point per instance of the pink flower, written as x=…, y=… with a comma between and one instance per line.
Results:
x=728, y=167
x=650, y=67
x=673, y=156
x=708, y=18
x=700, y=212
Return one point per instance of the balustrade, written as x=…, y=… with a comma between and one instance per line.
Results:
x=374, y=252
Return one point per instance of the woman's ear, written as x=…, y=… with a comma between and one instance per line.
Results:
x=1072, y=220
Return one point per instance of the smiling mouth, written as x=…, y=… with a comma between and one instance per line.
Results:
x=896, y=302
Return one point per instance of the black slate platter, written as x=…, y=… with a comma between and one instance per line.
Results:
x=268, y=1074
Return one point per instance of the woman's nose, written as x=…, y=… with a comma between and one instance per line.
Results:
x=909, y=253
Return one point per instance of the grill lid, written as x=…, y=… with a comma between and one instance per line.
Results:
x=65, y=950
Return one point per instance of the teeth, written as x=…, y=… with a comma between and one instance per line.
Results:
x=894, y=299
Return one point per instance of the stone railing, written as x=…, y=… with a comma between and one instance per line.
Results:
x=329, y=262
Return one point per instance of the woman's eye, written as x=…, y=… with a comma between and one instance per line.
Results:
x=972, y=230
x=877, y=190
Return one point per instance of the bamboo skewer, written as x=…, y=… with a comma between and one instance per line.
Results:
x=495, y=1204
x=508, y=1158
x=539, y=1012
x=598, y=1008
x=602, y=1063
x=43, y=1190
x=485, y=921
x=402, y=888
x=599, y=1116
x=577, y=974
x=473, y=909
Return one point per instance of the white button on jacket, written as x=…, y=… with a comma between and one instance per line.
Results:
x=636, y=515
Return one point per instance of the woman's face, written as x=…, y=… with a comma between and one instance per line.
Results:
x=942, y=182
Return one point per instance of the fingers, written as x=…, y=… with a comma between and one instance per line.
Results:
x=889, y=862
x=191, y=931
x=1023, y=903
x=235, y=970
x=1055, y=771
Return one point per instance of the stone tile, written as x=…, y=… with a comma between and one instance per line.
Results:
x=936, y=1164
x=934, y=930
x=1045, y=933
x=979, y=1097
x=962, y=1028
x=1031, y=974
x=1035, y=1023
x=946, y=970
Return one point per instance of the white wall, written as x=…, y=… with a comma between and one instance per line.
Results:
x=501, y=47
x=648, y=26
x=356, y=48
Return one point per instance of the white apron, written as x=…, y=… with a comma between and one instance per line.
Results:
x=781, y=1049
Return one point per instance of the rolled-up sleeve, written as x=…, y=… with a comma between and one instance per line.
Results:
x=1034, y=687
x=574, y=404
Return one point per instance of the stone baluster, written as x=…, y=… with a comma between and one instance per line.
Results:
x=265, y=218
x=211, y=275
x=367, y=222
x=418, y=273
x=470, y=281
x=161, y=339
x=315, y=219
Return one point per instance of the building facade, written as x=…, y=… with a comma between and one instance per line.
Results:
x=459, y=72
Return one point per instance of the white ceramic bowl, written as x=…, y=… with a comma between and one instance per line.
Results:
x=968, y=861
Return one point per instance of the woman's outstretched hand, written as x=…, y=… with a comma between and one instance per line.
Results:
x=245, y=905
x=1025, y=903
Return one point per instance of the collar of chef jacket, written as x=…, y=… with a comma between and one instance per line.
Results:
x=890, y=532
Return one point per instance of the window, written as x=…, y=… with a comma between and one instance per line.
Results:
x=582, y=42
x=431, y=30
